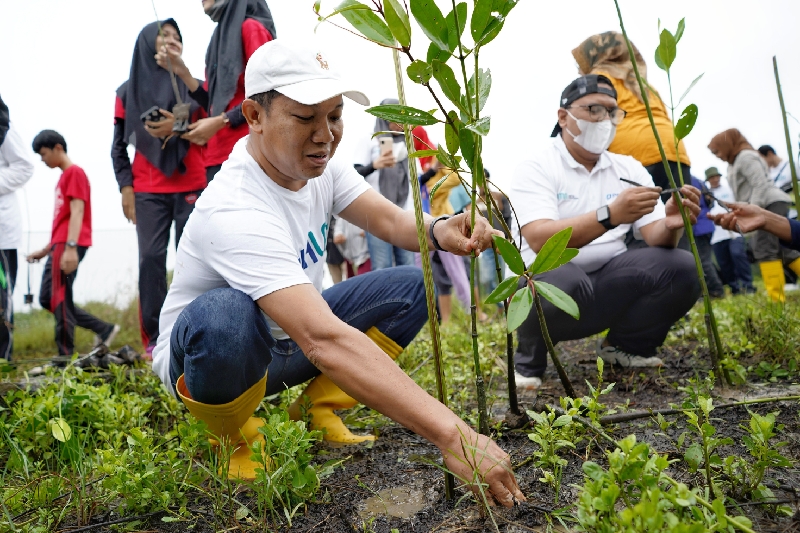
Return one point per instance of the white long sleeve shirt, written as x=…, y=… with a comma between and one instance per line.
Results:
x=16, y=168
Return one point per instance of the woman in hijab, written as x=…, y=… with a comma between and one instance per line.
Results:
x=607, y=54
x=242, y=27
x=749, y=179
x=168, y=172
x=387, y=174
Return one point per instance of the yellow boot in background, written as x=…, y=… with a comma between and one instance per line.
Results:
x=232, y=422
x=774, y=279
x=326, y=397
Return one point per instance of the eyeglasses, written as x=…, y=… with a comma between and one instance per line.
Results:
x=600, y=112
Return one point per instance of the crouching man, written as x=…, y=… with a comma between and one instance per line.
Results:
x=576, y=182
x=244, y=316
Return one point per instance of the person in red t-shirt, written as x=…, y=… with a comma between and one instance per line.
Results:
x=242, y=27
x=71, y=236
x=168, y=172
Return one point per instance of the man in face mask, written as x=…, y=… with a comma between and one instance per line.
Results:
x=575, y=182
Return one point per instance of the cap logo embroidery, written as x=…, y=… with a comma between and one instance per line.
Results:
x=322, y=62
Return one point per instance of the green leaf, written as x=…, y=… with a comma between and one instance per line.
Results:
x=480, y=126
x=568, y=255
x=60, y=429
x=492, y=30
x=551, y=252
x=176, y=519
x=593, y=470
x=439, y=184
x=419, y=71
x=480, y=18
x=690, y=88
x=434, y=52
x=510, y=254
x=679, y=33
x=484, y=87
x=453, y=34
x=659, y=63
x=430, y=19
x=667, y=50
x=686, y=122
x=559, y=298
x=447, y=81
x=505, y=289
x=693, y=456
x=467, y=142
x=519, y=308
x=451, y=134
x=446, y=159
x=423, y=153
x=397, y=20
x=363, y=19
x=241, y=512
x=403, y=114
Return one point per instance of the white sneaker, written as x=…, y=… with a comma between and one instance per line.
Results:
x=790, y=287
x=615, y=356
x=108, y=339
x=525, y=382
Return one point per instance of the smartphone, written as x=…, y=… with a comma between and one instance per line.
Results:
x=152, y=114
x=386, y=144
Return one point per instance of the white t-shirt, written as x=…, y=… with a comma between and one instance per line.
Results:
x=554, y=186
x=16, y=168
x=781, y=175
x=724, y=193
x=249, y=233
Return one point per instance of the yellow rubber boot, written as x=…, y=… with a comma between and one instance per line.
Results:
x=232, y=423
x=794, y=266
x=774, y=279
x=326, y=397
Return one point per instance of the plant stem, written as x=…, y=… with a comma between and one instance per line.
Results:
x=714, y=341
x=786, y=131
x=707, y=505
x=562, y=374
x=427, y=276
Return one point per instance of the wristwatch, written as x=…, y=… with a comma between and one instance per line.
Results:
x=430, y=232
x=604, y=218
x=72, y=244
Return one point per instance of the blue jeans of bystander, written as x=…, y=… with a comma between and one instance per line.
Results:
x=385, y=255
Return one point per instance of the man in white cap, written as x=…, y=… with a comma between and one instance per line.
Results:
x=245, y=315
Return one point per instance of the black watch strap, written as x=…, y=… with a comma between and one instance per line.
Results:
x=604, y=218
x=430, y=231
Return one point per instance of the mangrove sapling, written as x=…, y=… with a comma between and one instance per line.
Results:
x=795, y=188
x=665, y=56
x=704, y=452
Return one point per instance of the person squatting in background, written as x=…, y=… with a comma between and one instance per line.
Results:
x=16, y=168
x=168, y=173
x=70, y=238
x=730, y=247
x=242, y=27
x=749, y=179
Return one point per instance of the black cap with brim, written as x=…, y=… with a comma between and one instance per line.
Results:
x=580, y=87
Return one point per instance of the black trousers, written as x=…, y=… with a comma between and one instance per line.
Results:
x=155, y=214
x=8, y=266
x=638, y=295
x=706, y=252
x=56, y=296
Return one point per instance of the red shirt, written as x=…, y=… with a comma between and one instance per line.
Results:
x=72, y=185
x=219, y=146
x=149, y=178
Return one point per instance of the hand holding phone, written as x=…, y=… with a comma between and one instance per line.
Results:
x=153, y=115
x=386, y=145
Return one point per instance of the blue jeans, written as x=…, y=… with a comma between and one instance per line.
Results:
x=222, y=344
x=733, y=265
x=385, y=255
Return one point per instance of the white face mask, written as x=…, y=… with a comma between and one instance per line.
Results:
x=595, y=137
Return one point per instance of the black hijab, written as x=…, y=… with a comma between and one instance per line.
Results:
x=4, y=121
x=225, y=56
x=393, y=181
x=150, y=85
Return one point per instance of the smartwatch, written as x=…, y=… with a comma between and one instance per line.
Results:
x=72, y=244
x=604, y=218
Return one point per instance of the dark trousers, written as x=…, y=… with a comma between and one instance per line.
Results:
x=211, y=172
x=56, y=296
x=704, y=249
x=767, y=247
x=155, y=214
x=8, y=266
x=638, y=295
x=734, y=267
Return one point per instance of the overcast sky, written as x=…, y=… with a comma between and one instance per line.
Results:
x=62, y=62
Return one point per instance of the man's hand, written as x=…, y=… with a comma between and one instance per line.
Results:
x=37, y=255
x=69, y=260
x=478, y=455
x=690, y=200
x=128, y=203
x=162, y=128
x=384, y=161
x=457, y=237
x=742, y=217
x=202, y=130
x=632, y=204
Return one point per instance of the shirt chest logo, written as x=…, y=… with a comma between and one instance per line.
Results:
x=313, y=252
x=563, y=196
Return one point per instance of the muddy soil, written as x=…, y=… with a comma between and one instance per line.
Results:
x=396, y=485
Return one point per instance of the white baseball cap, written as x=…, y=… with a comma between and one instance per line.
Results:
x=296, y=71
